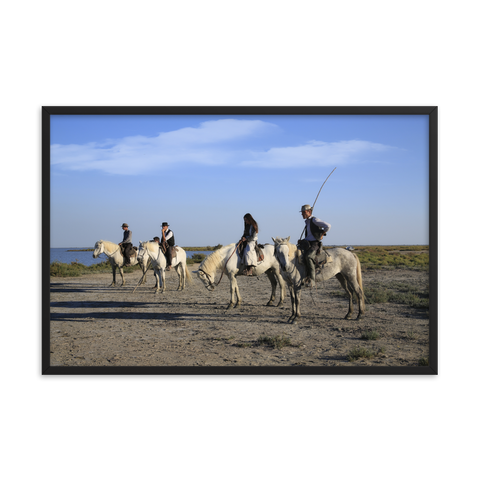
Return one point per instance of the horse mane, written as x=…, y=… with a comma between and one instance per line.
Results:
x=150, y=246
x=106, y=242
x=293, y=251
x=213, y=262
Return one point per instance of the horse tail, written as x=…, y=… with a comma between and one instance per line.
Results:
x=187, y=274
x=359, y=272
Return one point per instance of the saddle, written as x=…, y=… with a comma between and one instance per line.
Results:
x=321, y=258
x=122, y=249
x=164, y=247
x=260, y=255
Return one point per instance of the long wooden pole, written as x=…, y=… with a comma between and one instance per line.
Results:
x=305, y=228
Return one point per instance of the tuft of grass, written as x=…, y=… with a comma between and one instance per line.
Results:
x=361, y=352
x=423, y=362
x=370, y=335
x=276, y=342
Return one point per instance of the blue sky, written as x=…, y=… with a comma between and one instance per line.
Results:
x=202, y=173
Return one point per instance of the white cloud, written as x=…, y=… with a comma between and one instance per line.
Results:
x=208, y=144
x=315, y=153
x=205, y=145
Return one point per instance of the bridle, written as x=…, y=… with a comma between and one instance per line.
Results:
x=150, y=257
x=105, y=252
x=282, y=267
x=210, y=283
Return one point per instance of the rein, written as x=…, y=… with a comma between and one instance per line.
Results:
x=112, y=254
x=212, y=284
x=226, y=263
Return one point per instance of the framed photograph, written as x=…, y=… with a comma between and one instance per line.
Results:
x=239, y=240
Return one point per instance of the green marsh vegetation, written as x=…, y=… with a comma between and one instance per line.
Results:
x=76, y=269
x=395, y=256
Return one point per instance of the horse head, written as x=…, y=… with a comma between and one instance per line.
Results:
x=98, y=249
x=206, y=278
x=142, y=254
x=283, y=250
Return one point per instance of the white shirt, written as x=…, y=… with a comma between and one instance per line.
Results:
x=309, y=236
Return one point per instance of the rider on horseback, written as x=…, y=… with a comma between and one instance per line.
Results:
x=311, y=244
x=249, y=241
x=167, y=243
x=126, y=243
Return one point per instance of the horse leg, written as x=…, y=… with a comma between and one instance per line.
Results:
x=232, y=293
x=237, y=291
x=120, y=269
x=296, y=297
x=281, y=284
x=181, y=281
x=273, y=283
x=113, y=273
x=346, y=287
x=360, y=297
x=157, y=280
x=144, y=273
x=292, y=300
x=162, y=276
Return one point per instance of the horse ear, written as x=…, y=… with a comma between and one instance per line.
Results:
x=273, y=240
x=288, y=239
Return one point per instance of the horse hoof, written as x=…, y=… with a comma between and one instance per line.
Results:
x=229, y=307
x=269, y=304
x=280, y=304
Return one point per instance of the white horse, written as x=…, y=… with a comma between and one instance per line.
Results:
x=345, y=266
x=115, y=257
x=228, y=261
x=151, y=251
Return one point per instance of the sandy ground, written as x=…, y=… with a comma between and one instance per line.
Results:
x=93, y=324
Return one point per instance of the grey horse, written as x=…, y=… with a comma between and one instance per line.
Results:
x=344, y=265
x=227, y=260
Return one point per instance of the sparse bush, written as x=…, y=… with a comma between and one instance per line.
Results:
x=76, y=269
x=370, y=335
x=361, y=352
x=423, y=362
x=276, y=342
x=196, y=258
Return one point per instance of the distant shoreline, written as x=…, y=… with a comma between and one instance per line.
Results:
x=210, y=249
x=189, y=249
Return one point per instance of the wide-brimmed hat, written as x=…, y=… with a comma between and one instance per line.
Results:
x=165, y=224
x=306, y=207
x=124, y=225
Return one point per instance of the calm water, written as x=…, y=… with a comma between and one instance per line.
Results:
x=63, y=256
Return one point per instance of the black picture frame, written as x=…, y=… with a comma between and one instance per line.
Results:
x=431, y=110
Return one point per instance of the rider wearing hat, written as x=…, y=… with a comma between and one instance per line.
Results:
x=127, y=245
x=168, y=242
x=311, y=244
